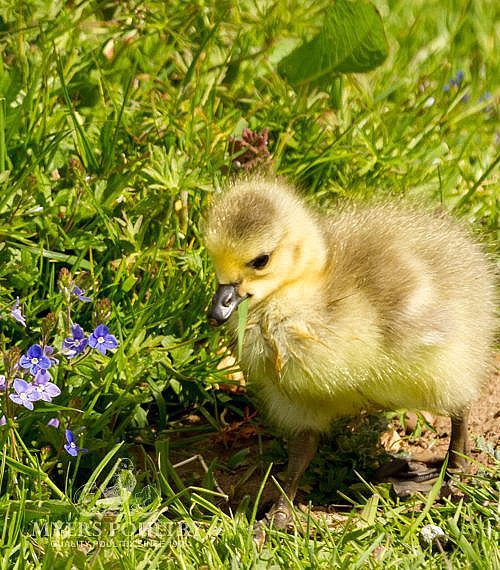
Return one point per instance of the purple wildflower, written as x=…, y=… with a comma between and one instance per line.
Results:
x=49, y=351
x=17, y=313
x=35, y=359
x=80, y=294
x=3, y=382
x=77, y=343
x=42, y=377
x=454, y=81
x=71, y=447
x=3, y=420
x=102, y=340
x=25, y=394
x=47, y=391
x=53, y=422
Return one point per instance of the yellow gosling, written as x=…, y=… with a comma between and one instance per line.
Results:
x=370, y=306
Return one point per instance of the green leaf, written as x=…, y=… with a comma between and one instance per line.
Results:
x=242, y=323
x=98, y=470
x=38, y=509
x=352, y=40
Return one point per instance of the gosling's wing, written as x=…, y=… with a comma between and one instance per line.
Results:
x=418, y=271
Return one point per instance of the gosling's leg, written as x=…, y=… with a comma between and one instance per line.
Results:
x=459, y=443
x=301, y=449
x=407, y=481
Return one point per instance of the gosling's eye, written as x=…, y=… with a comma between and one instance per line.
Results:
x=259, y=262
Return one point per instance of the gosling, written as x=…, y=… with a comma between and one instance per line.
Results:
x=379, y=306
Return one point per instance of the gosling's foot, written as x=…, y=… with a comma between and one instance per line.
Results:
x=407, y=488
x=408, y=476
x=408, y=469
x=278, y=517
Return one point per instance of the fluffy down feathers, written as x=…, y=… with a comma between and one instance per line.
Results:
x=369, y=306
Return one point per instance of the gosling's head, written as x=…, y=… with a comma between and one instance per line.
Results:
x=261, y=239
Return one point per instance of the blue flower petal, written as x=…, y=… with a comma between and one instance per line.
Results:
x=17, y=314
x=35, y=351
x=25, y=361
x=71, y=450
x=42, y=377
x=80, y=294
x=52, y=390
x=110, y=341
x=101, y=330
x=21, y=386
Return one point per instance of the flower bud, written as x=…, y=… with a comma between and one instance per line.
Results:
x=102, y=312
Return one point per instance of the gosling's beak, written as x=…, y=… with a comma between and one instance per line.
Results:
x=224, y=302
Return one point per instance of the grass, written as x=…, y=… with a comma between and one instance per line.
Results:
x=114, y=127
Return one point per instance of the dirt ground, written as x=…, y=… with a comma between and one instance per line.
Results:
x=240, y=454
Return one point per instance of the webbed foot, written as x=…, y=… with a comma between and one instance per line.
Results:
x=408, y=477
x=279, y=517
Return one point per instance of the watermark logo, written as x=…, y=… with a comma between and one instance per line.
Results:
x=107, y=533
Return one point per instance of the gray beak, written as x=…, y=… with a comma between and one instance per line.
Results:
x=224, y=302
